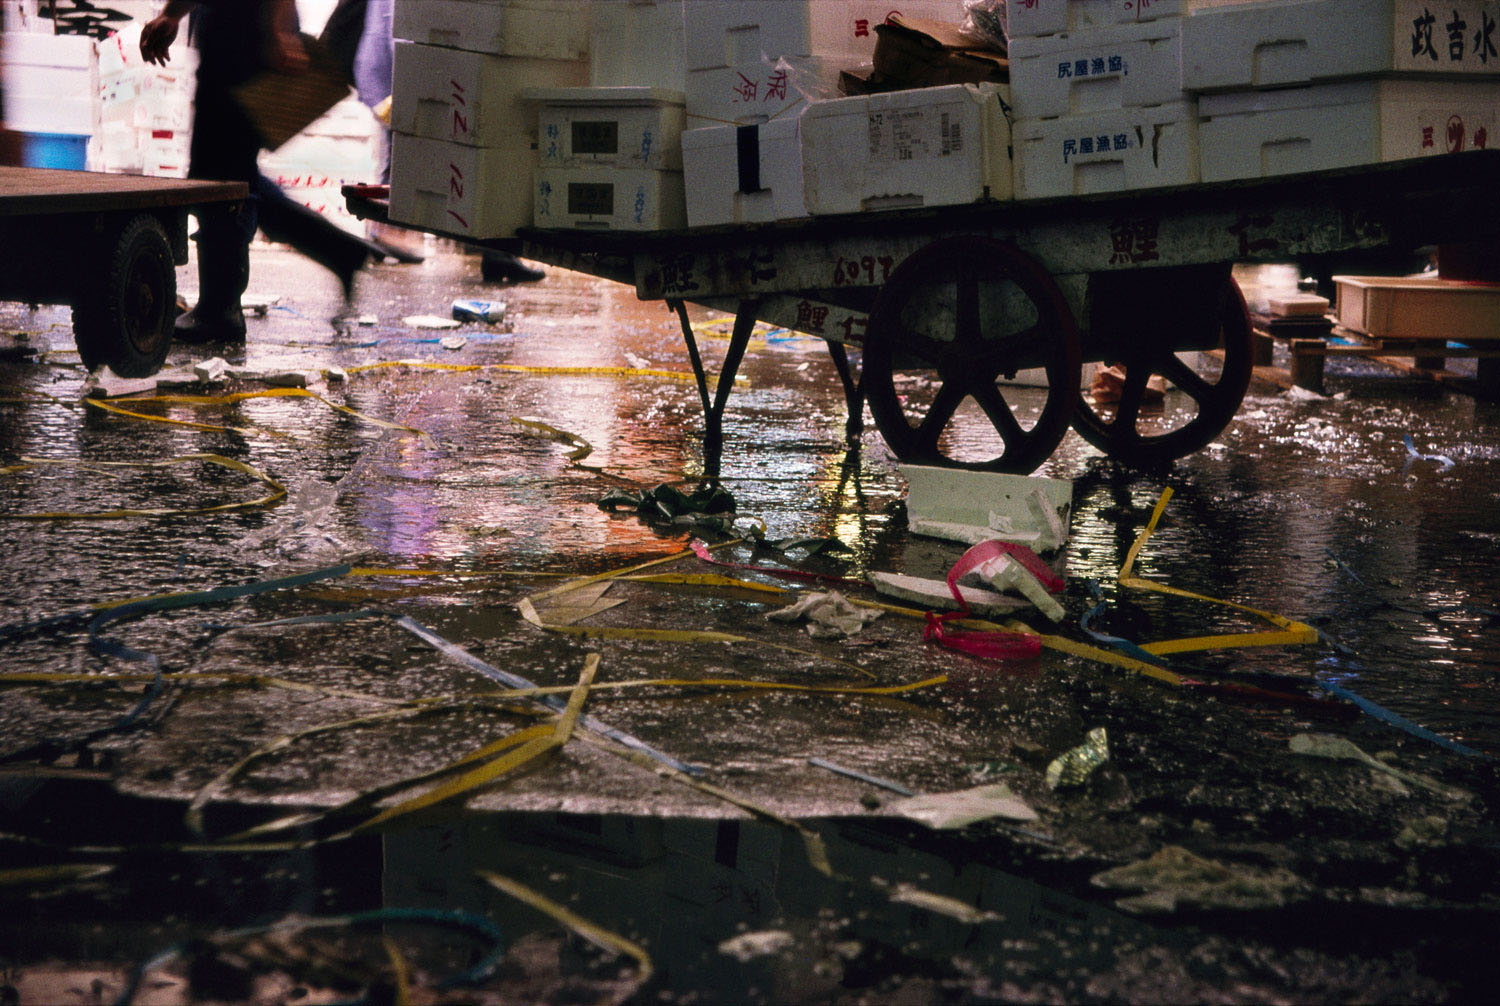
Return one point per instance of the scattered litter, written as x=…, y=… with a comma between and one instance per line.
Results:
x=335, y=375
x=667, y=502
x=290, y=378
x=965, y=807
x=453, y=343
x=105, y=383
x=746, y=947
x=1423, y=832
x=489, y=311
x=701, y=551
x=367, y=320
x=638, y=362
x=1074, y=766
x=1300, y=394
x=1175, y=877
x=1343, y=749
x=576, y=605
x=873, y=780
x=258, y=304
x=941, y=904
x=1412, y=454
x=931, y=593
x=970, y=507
x=1332, y=684
x=1109, y=384
x=828, y=614
x=431, y=321
x=213, y=369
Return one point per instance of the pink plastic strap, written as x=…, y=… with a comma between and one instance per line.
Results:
x=991, y=645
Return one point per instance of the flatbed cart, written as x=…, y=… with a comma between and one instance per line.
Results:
x=964, y=304
x=107, y=245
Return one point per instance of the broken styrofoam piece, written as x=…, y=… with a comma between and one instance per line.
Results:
x=429, y=321
x=105, y=383
x=453, y=343
x=213, y=369
x=964, y=807
x=1297, y=305
x=1005, y=574
x=935, y=594
x=258, y=304
x=967, y=506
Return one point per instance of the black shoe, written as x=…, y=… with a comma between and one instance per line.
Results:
x=502, y=267
x=197, y=325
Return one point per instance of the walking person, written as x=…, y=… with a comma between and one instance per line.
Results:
x=236, y=40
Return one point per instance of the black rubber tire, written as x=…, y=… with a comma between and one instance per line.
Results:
x=969, y=365
x=124, y=319
x=1120, y=436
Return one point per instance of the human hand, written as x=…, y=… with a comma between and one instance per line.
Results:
x=157, y=36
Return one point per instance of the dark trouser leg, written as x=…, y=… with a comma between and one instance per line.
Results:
x=287, y=221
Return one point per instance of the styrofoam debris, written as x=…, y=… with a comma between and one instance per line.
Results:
x=935, y=594
x=258, y=304
x=1004, y=574
x=964, y=807
x=105, y=383
x=215, y=368
x=431, y=321
x=970, y=507
x=453, y=343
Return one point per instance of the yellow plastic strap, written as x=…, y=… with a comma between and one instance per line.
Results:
x=278, y=491
x=516, y=368
x=585, y=581
x=108, y=406
x=1293, y=632
x=581, y=447
x=241, y=396
x=595, y=934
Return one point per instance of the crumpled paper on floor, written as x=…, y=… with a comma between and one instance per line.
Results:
x=1175, y=877
x=829, y=615
x=964, y=807
x=1074, y=766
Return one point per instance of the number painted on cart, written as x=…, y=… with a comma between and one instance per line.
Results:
x=868, y=270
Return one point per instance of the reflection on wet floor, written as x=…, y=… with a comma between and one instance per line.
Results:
x=1311, y=508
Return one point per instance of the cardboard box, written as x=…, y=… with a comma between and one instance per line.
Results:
x=455, y=188
x=1147, y=148
x=1419, y=307
x=634, y=199
x=637, y=43
x=744, y=174
x=758, y=92
x=623, y=127
x=932, y=146
x=1288, y=42
x=1121, y=66
x=534, y=29
x=1256, y=134
x=469, y=97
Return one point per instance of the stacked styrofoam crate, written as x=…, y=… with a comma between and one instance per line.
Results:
x=609, y=158
x=51, y=85
x=464, y=141
x=1098, y=99
x=931, y=146
x=752, y=69
x=147, y=110
x=313, y=166
x=1287, y=87
x=636, y=43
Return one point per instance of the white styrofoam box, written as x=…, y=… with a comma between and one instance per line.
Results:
x=164, y=154
x=744, y=174
x=971, y=507
x=19, y=15
x=30, y=113
x=349, y=118
x=757, y=92
x=539, y=29
x=470, y=97
x=636, y=43
x=627, y=127
x=349, y=158
x=617, y=199
x=932, y=146
x=1115, y=151
x=1288, y=42
x=725, y=33
x=1035, y=18
x=454, y=188
x=1260, y=133
x=1118, y=66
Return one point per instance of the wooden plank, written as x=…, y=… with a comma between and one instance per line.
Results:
x=49, y=191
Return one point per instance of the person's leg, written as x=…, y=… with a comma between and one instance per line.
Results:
x=287, y=221
x=503, y=267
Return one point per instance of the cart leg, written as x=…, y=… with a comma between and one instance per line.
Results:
x=1307, y=364
x=713, y=410
x=854, y=395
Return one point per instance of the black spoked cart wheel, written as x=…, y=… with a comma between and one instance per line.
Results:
x=123, y=315
x=1165, y=331
x=955, y=324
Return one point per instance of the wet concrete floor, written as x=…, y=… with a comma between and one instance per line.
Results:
x=429, y=513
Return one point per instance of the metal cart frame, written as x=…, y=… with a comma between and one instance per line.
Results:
x=1128, y=279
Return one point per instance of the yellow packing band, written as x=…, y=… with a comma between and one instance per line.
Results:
x=517, y=368
x=590, y=931
x=1294, y=632
x=278, y=491
x=581, y=447
x=240, y=396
